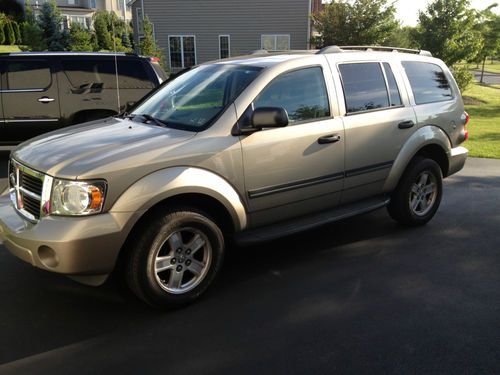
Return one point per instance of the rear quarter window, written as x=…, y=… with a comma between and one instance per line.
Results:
x=28, y=74
x=428, y=82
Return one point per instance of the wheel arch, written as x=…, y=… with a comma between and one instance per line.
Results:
x=428, y=141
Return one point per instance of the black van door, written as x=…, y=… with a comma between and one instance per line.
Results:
x=30, y=98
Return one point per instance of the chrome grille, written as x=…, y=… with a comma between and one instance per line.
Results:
x=26, y=190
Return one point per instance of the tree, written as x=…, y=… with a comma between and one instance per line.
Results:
x=33, y=37
x=446, y=29
x=80, y=39
x=50, y=22
x=148, y=45
x=401, y=37
x=489, y=27
x=13, y=9
x=361, y=22
x=17, y=32
x=103, y=36
x=2, y=35
x=10, y=36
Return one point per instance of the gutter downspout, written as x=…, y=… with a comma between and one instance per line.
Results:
x=309, y=25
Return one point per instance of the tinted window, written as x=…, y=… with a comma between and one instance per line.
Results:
x=193, y=100
x=364, y=87
x=428, y=82
x=28, y=75
x=101, y=74
x=302, y=93
x=393, y=87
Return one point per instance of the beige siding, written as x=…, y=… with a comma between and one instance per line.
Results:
x=244, y=20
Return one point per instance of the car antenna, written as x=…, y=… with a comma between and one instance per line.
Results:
x=116, y=66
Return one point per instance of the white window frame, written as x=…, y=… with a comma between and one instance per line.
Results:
x=182, y=36
x=275, y=40
x=228, y=45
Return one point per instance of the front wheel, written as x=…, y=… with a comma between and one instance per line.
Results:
x=175, y=257
x=418, y=194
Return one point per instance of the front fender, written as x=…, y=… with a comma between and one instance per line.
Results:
x=426, y=135
x=170, y=182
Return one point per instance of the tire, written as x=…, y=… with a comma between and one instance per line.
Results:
x=418, y=194
x=174, y=257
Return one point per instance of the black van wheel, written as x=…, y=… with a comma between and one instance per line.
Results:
x=175, y=258
x=418, y=194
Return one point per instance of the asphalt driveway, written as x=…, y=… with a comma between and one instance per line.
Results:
x=364, y=296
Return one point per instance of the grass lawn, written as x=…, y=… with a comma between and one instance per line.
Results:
x=9, y=49
x=484, y=124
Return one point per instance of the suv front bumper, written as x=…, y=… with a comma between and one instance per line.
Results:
x=67, y=245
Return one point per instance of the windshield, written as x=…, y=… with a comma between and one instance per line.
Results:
x=195, y=99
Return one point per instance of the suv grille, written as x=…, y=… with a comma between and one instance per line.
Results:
x=26, y=187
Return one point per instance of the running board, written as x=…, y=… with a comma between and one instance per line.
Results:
x=286, y=228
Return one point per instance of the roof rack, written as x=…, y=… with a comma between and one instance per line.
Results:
x=337, y=49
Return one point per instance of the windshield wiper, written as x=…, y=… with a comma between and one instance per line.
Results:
x=153, y=119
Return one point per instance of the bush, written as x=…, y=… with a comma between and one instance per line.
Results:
x=33, y=37
x=10, y=36
x=463, y=76
x=80, y=39
x=17, y=32
x=2, y=35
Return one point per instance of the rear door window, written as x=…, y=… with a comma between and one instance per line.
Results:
x=29, y=74
x=428, y=82
x=394, y=95
x=364, y=87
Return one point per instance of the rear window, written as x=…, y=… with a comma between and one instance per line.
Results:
x=25, y=75
x=100, y=73
x=428, y=82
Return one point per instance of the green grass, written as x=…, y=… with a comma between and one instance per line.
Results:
x=9, y=49
x=484, y=124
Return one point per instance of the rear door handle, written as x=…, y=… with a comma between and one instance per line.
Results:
x=406, y=124
x=45, y=99
x=332, y=138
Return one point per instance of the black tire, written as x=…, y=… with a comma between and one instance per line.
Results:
x=400, y=207
x=153, y=237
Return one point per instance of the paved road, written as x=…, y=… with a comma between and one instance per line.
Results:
x=489, y=78
x=360, y=297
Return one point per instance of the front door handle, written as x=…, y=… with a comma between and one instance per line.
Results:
x=45, y=99
x=332, y=138
x=406, y=124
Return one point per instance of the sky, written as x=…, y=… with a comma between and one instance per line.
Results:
x=407, y=10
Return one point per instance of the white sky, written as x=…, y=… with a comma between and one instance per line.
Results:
x=407, y=10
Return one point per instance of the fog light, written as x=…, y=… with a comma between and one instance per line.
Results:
x=48, y=256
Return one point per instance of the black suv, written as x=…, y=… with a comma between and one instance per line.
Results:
x=45, y=91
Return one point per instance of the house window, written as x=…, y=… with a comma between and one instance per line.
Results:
x=84, y=22
x=182, y=50
x=275, y=42
x=140, y=20
x=224, y=46
x=71, y=2
x=92, y=4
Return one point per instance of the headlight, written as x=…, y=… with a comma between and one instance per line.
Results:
x=77, y=198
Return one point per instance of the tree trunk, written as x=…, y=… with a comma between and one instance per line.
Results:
x=482, y=71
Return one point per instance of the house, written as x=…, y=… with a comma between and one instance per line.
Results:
x=194, y=31
x=81, y=11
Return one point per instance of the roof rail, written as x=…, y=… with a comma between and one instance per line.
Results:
x=259, y=52
x=336, y=49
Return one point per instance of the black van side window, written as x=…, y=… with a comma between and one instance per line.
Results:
x=428, y=82
x=29, y=74
x=82, y=73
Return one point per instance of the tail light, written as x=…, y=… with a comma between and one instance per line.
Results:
x=466, y=132
x=154, y=59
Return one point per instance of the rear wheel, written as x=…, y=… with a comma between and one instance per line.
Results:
x=175, y=258
x=418, y=195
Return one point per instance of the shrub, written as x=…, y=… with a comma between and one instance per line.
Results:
x=463, y=76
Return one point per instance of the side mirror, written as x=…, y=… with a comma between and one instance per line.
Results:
x=269, y=117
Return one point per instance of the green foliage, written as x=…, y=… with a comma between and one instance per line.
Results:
x=358, y=22
x=17, y=32
x=109, y=30
x=446, y=29
x=104, y=40
x=12, y=8
x=148, y=45
x=80, y=39
x=33, y=37
x=49, y=21
x=401, y=37
x=2, y=34
x=489, y=26
x=10, y=36
x=463, y=76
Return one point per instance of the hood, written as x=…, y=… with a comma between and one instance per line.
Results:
x=99, y=146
